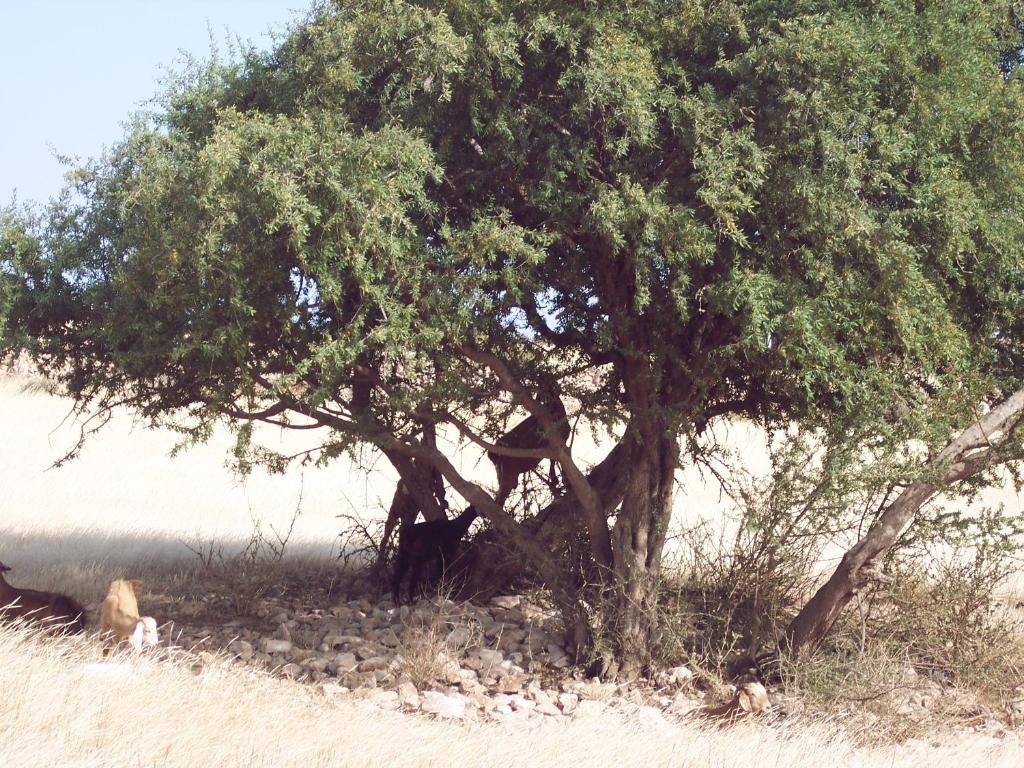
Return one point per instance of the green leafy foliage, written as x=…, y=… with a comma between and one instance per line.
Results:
x=793, y=212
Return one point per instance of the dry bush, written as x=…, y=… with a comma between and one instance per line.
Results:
x=361, y=554
x=727, y=600
x=246, y=576
x=427, y=648
x=732, y=589
x=423, y=654
x=866, y=687
x=952, y=621
x=932, y=646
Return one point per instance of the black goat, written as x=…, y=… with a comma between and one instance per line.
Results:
x=431, y=545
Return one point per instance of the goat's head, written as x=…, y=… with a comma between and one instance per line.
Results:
x=145, y=634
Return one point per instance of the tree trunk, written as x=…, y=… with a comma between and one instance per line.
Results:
x=637, y=543
x=973, y=451
x=857, y=568
x=420, y=489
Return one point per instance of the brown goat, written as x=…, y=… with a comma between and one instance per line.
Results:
x=54, y=610
x=430, y=546
x=119, y=613
x=528, y=435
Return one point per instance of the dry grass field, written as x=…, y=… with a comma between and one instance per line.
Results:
x=61, y=706
x=125, y=508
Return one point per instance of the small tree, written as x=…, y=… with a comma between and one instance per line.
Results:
x=416, y=214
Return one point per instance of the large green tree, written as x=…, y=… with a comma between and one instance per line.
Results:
x=412, y=215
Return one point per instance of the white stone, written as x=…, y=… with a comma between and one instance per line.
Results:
x=436, y=703
x=555, y=651
x=568, y=702
x=490, y=658
x=318, y=664
x=520, y=702
x=408, y=696
x=335, y=639
x=549, y=709
x=346, y=660
x=367, y=651
x=674, y=676
x=333, y=690
x=459, y=637
x=272, y=645
x=451, y=672
x=507, y=601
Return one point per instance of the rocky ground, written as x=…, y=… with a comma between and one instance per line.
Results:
x=496, y=662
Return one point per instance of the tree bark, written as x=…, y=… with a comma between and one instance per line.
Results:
x=420, y=489
x=973, y=451
x=637, y=543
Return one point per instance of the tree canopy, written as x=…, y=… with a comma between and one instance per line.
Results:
x=426, y=213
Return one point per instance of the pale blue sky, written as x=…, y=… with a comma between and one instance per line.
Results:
x=72, y=70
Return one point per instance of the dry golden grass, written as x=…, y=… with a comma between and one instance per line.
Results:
x=62, y=705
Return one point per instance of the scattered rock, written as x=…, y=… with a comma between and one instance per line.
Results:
x=451, y=672
x=509, y=683
x=316, y=664
x=343, y=662
x=556, y=651
x=568, y=702
x=272, y=645
x=490, y=658
x=356, y=656
x=519, y=702
x=386, y=699
x=367, y=651
x=442, y=705
x=333, y=691
x=373, y=664
x=753, y=698
x=459, y=637
x=408, y=696
x=674, y=677
x=595, y=690
x=242, y=648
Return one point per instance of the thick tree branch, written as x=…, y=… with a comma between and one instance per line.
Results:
x=974, y=450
